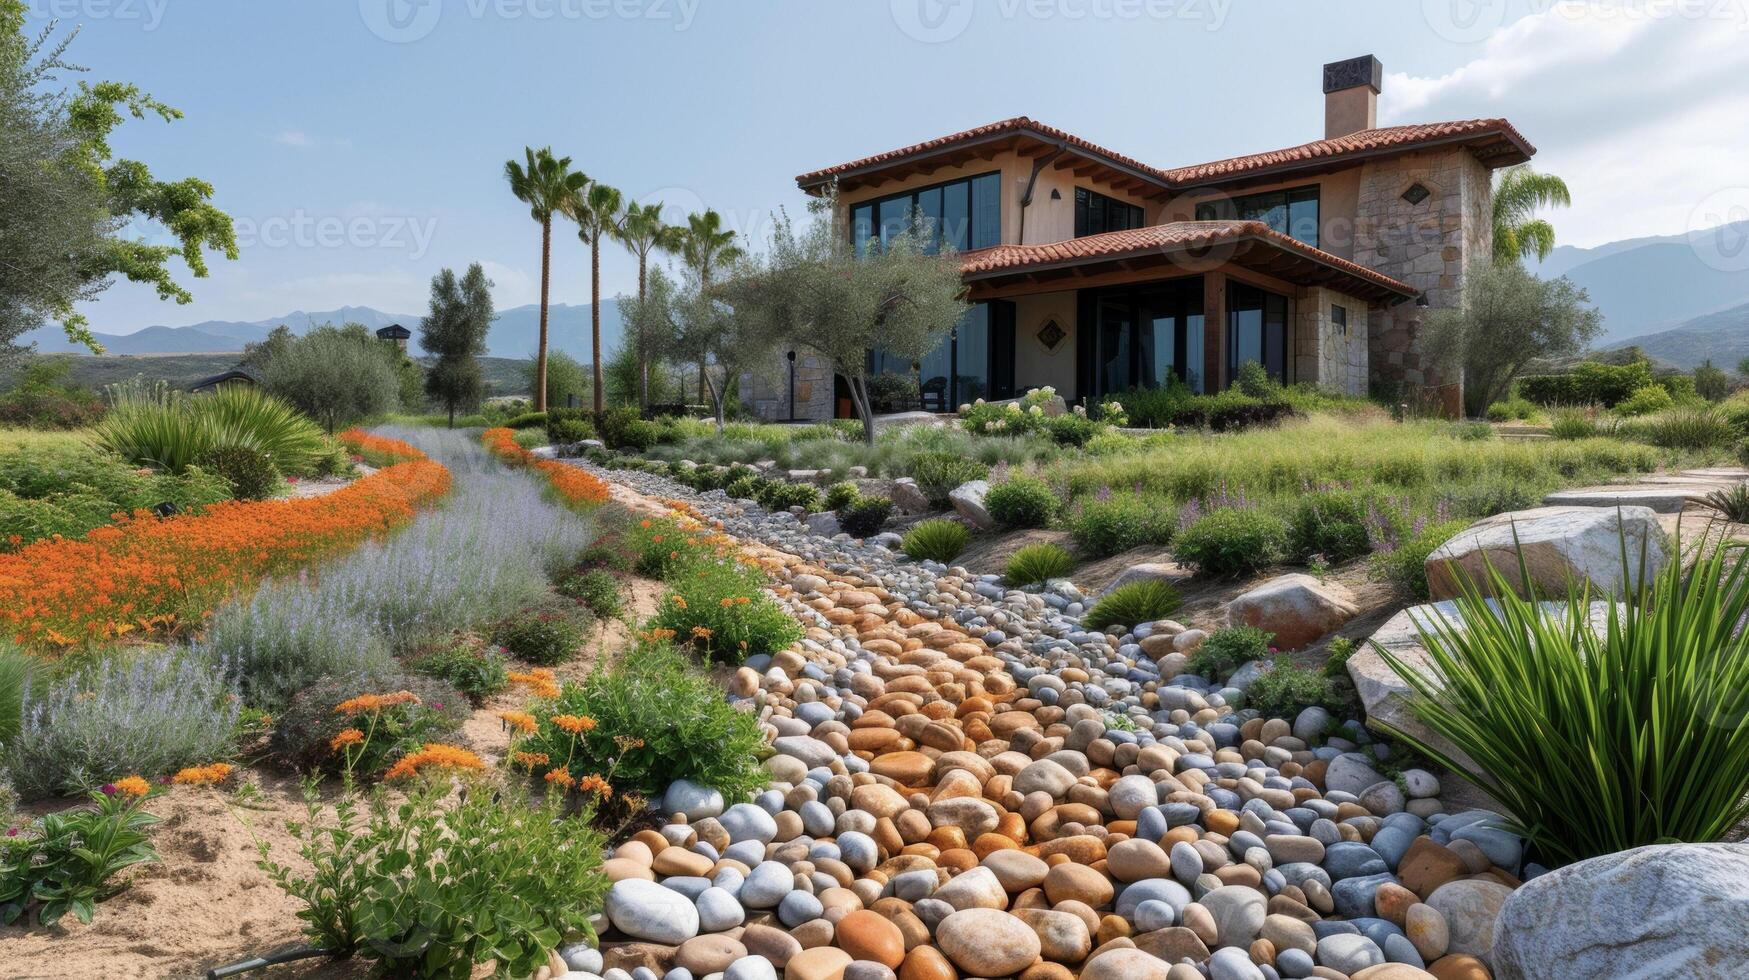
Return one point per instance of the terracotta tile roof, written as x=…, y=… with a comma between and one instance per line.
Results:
x=1365, y=142
x=1017, y=125
x=1176, y=236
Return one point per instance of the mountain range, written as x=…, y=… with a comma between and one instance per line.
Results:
x=1647, y=286
x=514, y=334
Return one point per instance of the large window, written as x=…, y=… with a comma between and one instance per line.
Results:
x=1095, y=213
x=1142, y=337
x=961, y=214
x=1294, y=212
x=1256, y=330
x=975, y=361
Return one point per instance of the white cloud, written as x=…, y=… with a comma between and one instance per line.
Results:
x=1637, y=105
x=294, y=138
x=511, y=286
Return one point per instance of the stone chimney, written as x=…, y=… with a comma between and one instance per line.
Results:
x=1351, y=95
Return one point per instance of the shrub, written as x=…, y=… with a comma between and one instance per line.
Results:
x=436, y=888
x=1254, y=380
x=1227, y=649
x=1071, y=429
x=865, y=517
x=1340, y=649
x=1644, y=401
x=1132, y=604
x=940, y=473
x=1105, y=527
x=1573, y=423
x=304, y=733
x=1232, y=542
x=719, y=608
x=661, y=547
x=1514, y=409
x=620, y=428
x=1580, y=692
x=249, y=472
x=1692, y=428
x=282, y=639
x=71, y=490
x=936, y=540
x=1021, y=501
x=596, y=589
x=744, y=487
x=543, y=637
x=63, y=862
x=841, y=495
x=1037, y=563
x=478, y=672
x=1732, y=502
x=1493, y=495
x=42, y=399
x=336, y=376
x=527, y=420
x=151, y=714
x=657, y=719
x=1589, y=383
x=1286, y=688
x=781, y=495
x=1331, y=523
x=1406, y=564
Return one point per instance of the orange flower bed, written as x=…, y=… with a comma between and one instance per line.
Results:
x=376, y=450
x=149, y=575
x=573, y=486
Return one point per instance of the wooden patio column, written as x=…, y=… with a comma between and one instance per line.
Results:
x=1214, y=326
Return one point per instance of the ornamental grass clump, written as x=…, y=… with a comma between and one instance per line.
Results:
x=151, y=713
x=1036, y=564
x=1132, y=604
x=936, y=540
x=1232, y=541
x=1110, y=523
x=865, y=516
x=1596, y=737
x=1732, y=503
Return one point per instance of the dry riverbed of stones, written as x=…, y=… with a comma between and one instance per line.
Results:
x=967, y=783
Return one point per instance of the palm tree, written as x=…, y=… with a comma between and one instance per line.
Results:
x=705, y=246
x=597, y=213
x=543, y=183
x=1518, y=194
x=643, y=231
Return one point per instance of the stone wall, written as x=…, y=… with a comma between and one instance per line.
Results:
x=1430, y=245
x=1325, y=354
x=766, y=393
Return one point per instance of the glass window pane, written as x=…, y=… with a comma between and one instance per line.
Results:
x=937, y=367
x=861, y=227
x=1160, y=350
x=1115, y=322
x=972, y=370
x=895, y=217
x=929, y=206
x=1302, y=218
x=1193, y=350
x=956, y=215
x=1083, y=197
x=986, y=211
x=1275, y=336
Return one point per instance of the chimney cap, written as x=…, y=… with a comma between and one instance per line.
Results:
x=1354, y=73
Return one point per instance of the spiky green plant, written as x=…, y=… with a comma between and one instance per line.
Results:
x=937, y=540
x=1732, y=502
x=1037, y=563
x=1128, y=605
x=1597, y=739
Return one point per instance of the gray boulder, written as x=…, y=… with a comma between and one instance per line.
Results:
x=1563, y=548
x=909, y=497
x=1677, y=910
x=968, y=502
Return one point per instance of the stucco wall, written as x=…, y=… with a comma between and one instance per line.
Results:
x=1034, y=367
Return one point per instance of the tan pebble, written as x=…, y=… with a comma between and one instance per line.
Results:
x=1426, y=929
x=1198, y=920
x=818, y=963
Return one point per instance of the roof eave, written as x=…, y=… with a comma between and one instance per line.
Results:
x=812, y=182
x=1343, y=159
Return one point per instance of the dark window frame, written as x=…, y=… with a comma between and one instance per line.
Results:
x=915, y=194
x=1230, y=208
x=1108, y=207
x=1240, y=298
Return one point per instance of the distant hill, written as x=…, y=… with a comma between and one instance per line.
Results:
x=1647, y=285
x=514, y=334
x=1721, y=337
x=504, y=375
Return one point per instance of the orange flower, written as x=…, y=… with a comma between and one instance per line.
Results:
x=742, y=600
x=209, y=775
x=645, y=523
x=593, y=783
x=575, y=724
x=133, y=786
x=726, y=603
x=679, y=601
x=626, y=742
x=529, y=760
x=519, y=721
x=367, y=703
x=541, y=682
x=559, y=777
x=702, y=632
x=435, y=755
x=351, y=736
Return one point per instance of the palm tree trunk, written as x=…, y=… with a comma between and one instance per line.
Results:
x=546, y=277
x=643, y=347
x=595, y=314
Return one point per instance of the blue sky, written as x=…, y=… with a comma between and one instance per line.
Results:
x=360, y=143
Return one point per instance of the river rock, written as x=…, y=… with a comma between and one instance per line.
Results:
x=645, y=910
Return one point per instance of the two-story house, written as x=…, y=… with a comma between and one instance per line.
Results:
x=1092, y=272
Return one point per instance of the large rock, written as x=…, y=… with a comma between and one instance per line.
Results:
x=968, y=502
x=987, y=942
x=1152, y=571
x=1563, y=548
x=1664, y=497
x=645, y=910
x=909, y=497
x=1678, y=910
x=1471, y=908
x=1387, y=696
x=1297, y=608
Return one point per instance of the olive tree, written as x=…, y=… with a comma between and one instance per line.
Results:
x=335, y=375
x=1509, y=318
x=454, y=333
x=814, y=291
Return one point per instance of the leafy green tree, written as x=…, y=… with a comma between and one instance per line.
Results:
x=566, y=376
x=336, y=375
x=543, y=182
x=597, y=213
x=454, y=335
x=705, y=247
x=57, y=149
x=1712, y=383
x=813, y=291
x=644, y=231
x=257, y=355
x=1519, y=193
x=698, y=326
x=1508, y=319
